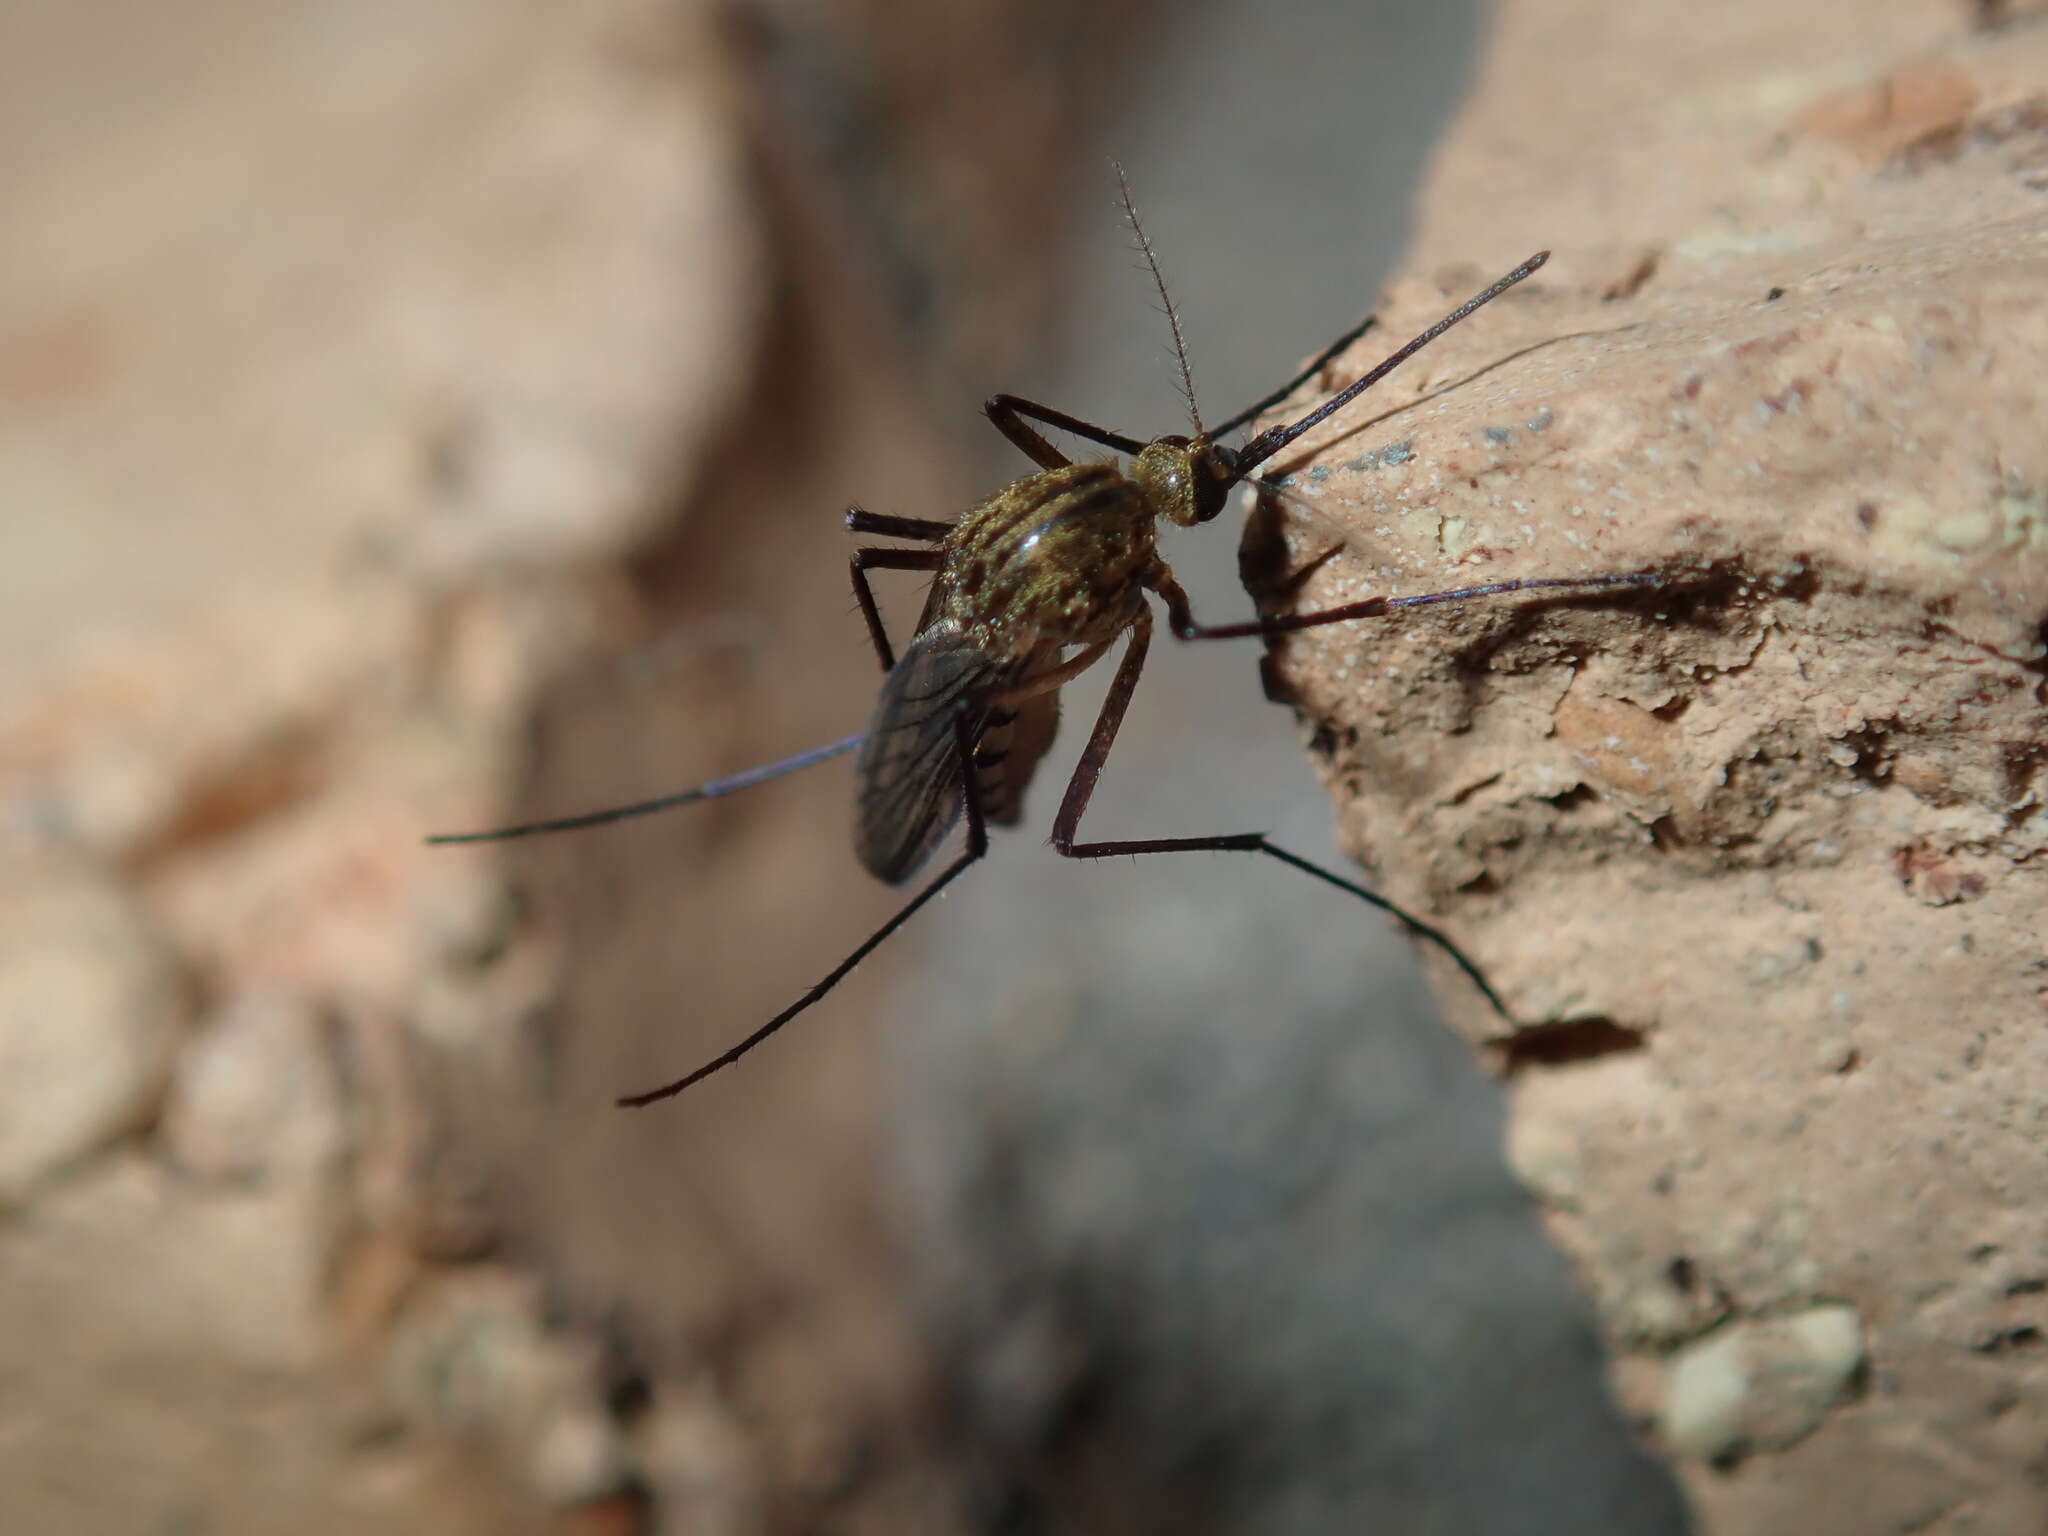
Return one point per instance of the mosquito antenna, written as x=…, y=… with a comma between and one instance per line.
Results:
x=1273, y=439
x=1180, y=350
x=710, y=791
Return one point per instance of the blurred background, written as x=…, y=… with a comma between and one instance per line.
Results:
x=419, y=417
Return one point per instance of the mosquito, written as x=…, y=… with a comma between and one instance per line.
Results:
x=1030, y=589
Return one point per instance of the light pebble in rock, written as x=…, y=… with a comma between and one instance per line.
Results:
x=1760, y=1384
x=89, y=1003
x=471, y=1356
x=254, y=1095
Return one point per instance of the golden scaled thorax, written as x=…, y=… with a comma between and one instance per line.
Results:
x=1185, y=481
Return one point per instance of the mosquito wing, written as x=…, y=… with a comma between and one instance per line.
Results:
x=909, y=770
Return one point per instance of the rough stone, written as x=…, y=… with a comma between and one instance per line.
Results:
x=90, y=1000
x=254, y=1095
x=339, y=348
x=703, y=1466
x=470, y=1357
x=165, y=1364
x=1760, y=1384
x=1776, y=827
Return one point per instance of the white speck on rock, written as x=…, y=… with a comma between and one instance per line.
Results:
x=1760, y=1384
x=1547, y=1159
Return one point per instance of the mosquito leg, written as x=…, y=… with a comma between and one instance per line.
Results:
x=710, y=791
x=1051, y=679
x=877, y=558
x=977, y=845
x=882, y=525
x=1081, y=788
x=1181, y=615
x=1009, y=413
x=863, y=560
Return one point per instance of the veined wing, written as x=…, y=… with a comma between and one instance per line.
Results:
x=909, y=769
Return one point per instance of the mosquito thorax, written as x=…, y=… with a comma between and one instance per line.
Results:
x=1185, y=482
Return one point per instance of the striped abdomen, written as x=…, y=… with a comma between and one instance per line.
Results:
x=1059, y=558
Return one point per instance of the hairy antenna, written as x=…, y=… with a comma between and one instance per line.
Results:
x=1180, y=350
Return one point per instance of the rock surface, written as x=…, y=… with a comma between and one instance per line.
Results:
x=1755, y=859
x=255, y=1097
x=373, y=380
x=336, y=346
x=1760, y=1385
x=166, y=1362
x=90, y=1002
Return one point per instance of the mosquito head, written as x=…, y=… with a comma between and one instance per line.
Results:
x=1186, y=482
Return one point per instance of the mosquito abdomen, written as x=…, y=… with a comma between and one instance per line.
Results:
x=1058, y=558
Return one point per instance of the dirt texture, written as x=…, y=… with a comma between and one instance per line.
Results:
x=1757, y=859
x=381, y=391
x=336, y=346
